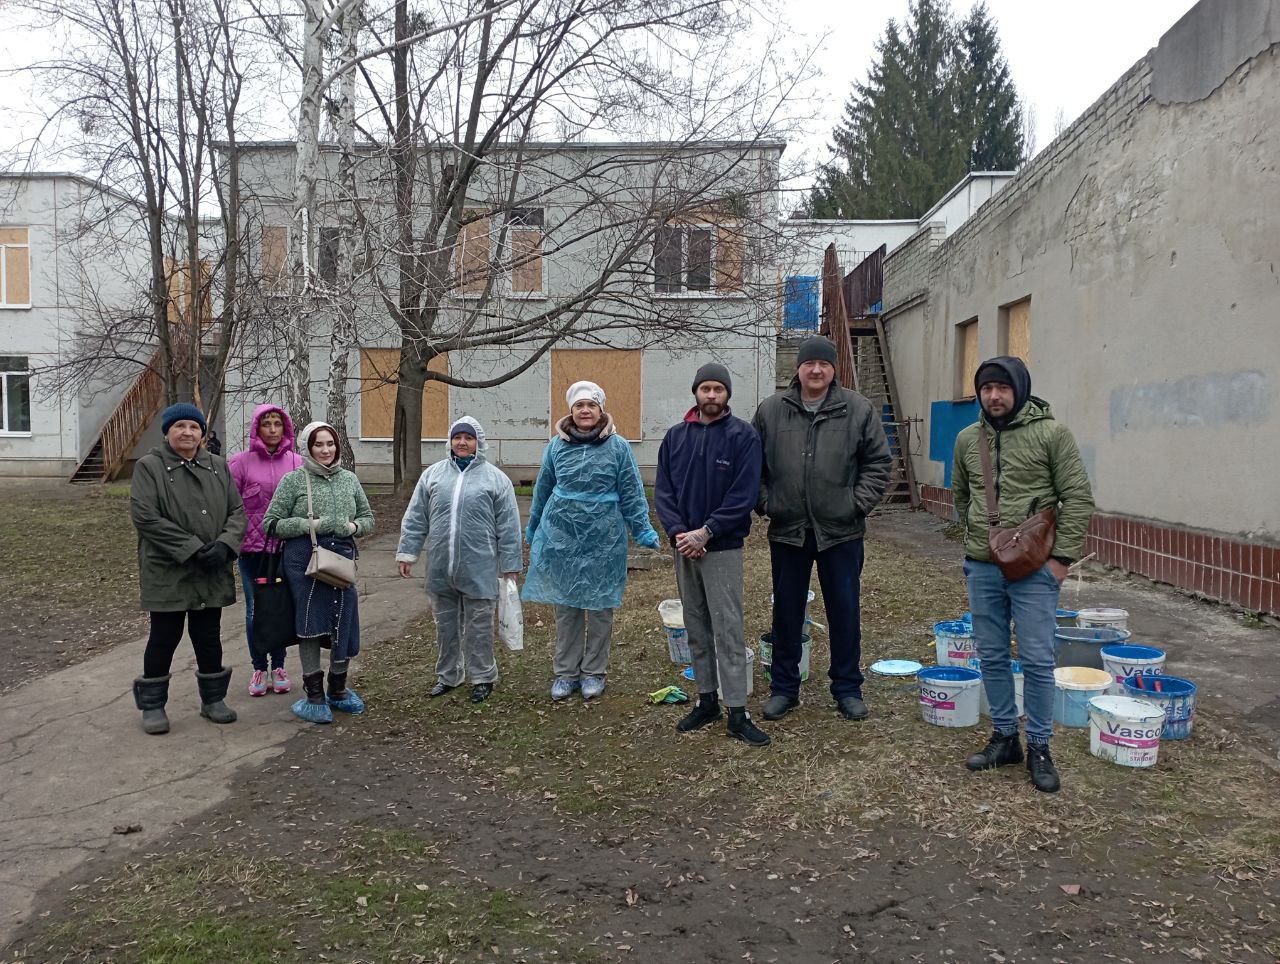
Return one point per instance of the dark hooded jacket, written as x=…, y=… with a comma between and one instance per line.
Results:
x=1036, y=465
x=824, y=470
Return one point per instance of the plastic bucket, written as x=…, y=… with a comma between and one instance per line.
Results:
x=751, y=676
x=949, y=695
x=1125, y=661
x=808, y=600
x=672, y=613
x=1083, y=647
x=1103, y=619
x=984, y=705
x=1176, y=695
x=1067, y=617
x=1124, y=730
x=766, y=653
x=1073, y=688
x=953, y=641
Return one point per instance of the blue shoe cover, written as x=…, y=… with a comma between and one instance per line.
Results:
x=352, y=704
x=312, y=712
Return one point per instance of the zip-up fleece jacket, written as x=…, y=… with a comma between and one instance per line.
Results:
x=257, y=472
x=708, y=474
x=826, y=470
x=1037, y=465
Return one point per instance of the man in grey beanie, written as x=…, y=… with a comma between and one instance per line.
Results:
x=826, y=466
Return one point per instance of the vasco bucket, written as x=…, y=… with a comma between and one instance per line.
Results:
x=1125, y=731
x=1067, y=617
x=1125, y=661
x=1103, y=618
x=1175, y=694
x=751, y=676
x=984, y=705
x=1073, y=688
x=766, y=653
x=949, y=695
x=1083, y=647
x=672, y=613
x=953, y=642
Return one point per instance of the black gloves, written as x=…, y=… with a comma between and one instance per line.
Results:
x=213, y=556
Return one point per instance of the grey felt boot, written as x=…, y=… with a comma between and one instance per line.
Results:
x=150, y=694
x=213, y=689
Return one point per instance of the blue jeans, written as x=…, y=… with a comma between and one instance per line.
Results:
x=249, y=562
x=1032, y=604
x=840, y=575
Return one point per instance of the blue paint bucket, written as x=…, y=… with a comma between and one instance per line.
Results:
x=1125, y=661
x=1083, y=647
x=949, y=695
x=1067, y=617
x=953, y=642
x=1175, y=694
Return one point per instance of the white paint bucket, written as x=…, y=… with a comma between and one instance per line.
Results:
x=1074, y=687
x=1103, y=618
x=766, y=653
x=751, y=676
x=949, y=695
x=1124, y=730
x=953, y=642
x=984, y=705
x=1125, y=661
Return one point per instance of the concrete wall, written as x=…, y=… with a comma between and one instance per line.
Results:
x=1145, y=237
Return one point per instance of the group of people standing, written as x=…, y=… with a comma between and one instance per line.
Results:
x=814, y=460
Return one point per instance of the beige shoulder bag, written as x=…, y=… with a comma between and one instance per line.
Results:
x=326, y=566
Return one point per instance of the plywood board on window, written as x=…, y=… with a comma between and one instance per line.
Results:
x=526, y=260
x=471, y=255
x=968, y=334
x=13, y=235
x=275, y=255
x=616, y=370
x=730, y=257
x=379, y=378
x=1018, y=330
x=17, y=275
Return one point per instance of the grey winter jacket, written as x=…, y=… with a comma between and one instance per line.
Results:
x=823, y=471
x=177, y=506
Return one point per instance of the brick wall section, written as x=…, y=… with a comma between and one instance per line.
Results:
x=1244, y=574
x=908, y=268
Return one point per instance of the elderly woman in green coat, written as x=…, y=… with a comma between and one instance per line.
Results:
x=190, y=523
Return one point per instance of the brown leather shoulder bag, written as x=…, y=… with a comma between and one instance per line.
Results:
x=1021, y=551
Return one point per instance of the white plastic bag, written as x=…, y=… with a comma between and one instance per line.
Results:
x=510, y=616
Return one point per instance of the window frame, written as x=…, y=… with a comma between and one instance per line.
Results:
x=5, y=375
x=686, y=230
x=526, y=221
x=6, y=252
x=274, y=285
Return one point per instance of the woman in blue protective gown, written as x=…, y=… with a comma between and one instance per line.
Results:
x=588, y=497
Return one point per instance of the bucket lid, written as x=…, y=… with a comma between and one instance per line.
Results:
x=1103, y=613
x=1128, y=709
x=1092, y=634
x=1128, y=653
x=1082, y=678
x=1067, y=614
x=949, y=674
x=954, y=627
x=897, y=667
x=1144, y=687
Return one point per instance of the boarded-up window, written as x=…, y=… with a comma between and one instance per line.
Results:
x=275, y=256
x=471, y=256
x=379, y=377
x=327, y=256
x=15, y=268
x=1017, y=329
x=615, y=370
x=966, y=357
x=181, y=295
x=702, y=254
x=525, y=230
x=730, y=257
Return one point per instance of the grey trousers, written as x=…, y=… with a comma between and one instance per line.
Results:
x=582, y=642
x=711, y=591
x=464, y=627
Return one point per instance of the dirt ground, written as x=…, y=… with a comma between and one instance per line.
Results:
x=437, y=830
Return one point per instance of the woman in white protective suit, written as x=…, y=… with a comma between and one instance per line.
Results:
x=464, y=510
x=588, y=498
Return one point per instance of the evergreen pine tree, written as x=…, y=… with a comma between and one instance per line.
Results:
x=990, y=98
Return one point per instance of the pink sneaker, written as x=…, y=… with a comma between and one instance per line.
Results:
x=258, y=683
x=280, y=681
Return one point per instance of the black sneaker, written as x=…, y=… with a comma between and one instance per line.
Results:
x=706, y=710
x=852, y=708
x=440, y=689
x=480, y=692
x=779, y=705
x=741, y=728
x=1000, y=751
x=1040, y=765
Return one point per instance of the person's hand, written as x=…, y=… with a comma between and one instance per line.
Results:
x=648, y=540
x=351, y=528
x=513, y=576
x=694, y=541
x=406, y=570
x=1059, y=571
x=213, y=555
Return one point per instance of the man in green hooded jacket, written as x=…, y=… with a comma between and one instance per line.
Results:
x=1036, y=465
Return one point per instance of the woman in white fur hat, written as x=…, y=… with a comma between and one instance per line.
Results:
x=589, y=496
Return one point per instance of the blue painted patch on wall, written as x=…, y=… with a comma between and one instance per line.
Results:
x=1199, y=400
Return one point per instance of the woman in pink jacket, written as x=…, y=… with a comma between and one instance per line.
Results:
x=257, y=471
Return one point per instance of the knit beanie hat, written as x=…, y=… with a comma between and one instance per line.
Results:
x=714, y=372
x=183, y=410
x=585, y=391
x=816, y=348
x=462, y=427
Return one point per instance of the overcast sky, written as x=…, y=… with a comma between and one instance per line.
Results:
x=1061, y=55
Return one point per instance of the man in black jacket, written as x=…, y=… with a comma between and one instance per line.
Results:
x=826, y=465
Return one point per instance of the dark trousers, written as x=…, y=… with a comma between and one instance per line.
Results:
x=840, y=575
x=205, y=629
x=250, y=563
